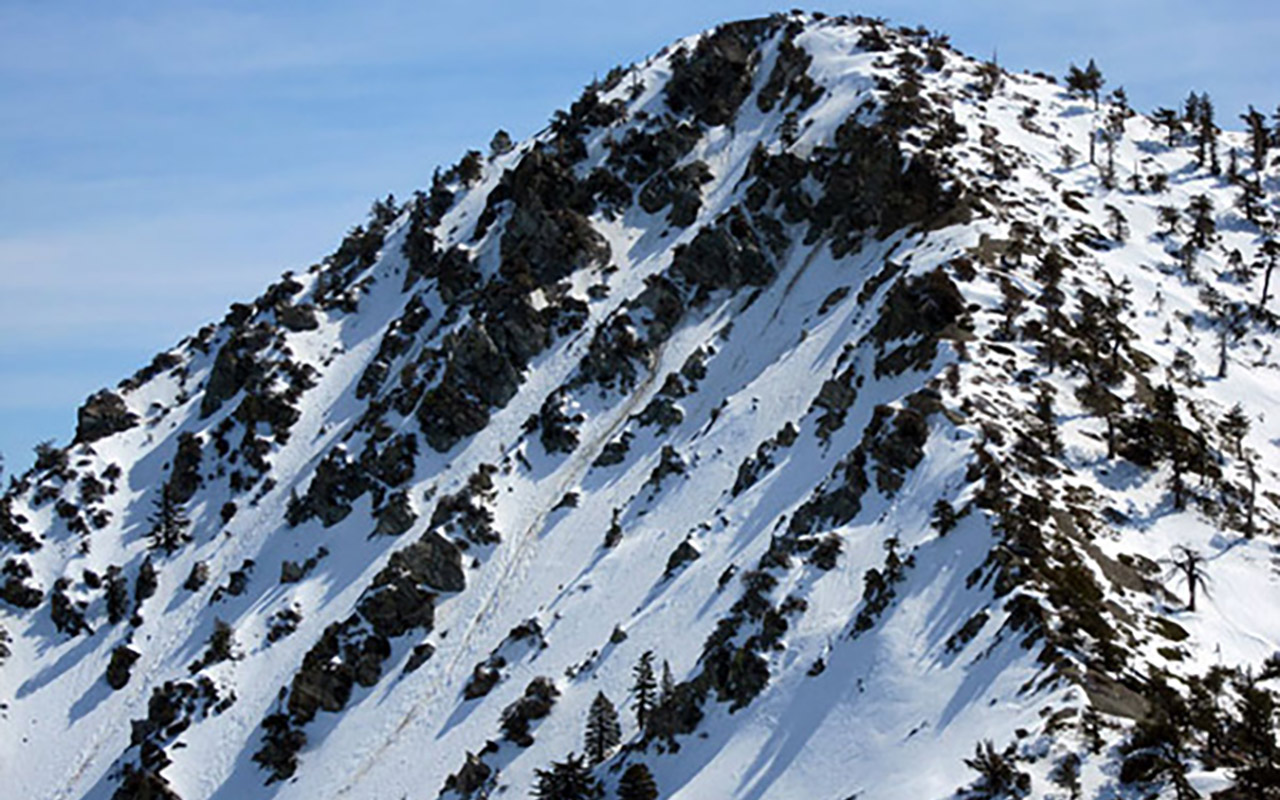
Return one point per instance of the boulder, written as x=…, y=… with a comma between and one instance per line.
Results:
x=434, y=561
x=122, y=660
x=297, y=318
x=398, y=606
x=396, y=517
x=102, y=415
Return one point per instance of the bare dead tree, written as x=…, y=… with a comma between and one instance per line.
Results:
x=1187, y=564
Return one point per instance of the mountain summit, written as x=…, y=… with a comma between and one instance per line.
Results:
x=809, y=411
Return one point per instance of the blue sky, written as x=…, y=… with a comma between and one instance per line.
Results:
x=161, y=160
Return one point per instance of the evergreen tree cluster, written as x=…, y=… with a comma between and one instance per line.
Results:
x=1225, y=719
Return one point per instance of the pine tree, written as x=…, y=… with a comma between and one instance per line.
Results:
x=790, y=130
x=1068, y=154
x=1157, y=745
x=1067, y=775
x=169, y=523
x=1270, y=251
x=1203, y=226
x=637, y=784
x=1087, y=82
x=643, y=689
x=1259, y=137
x=1049, y=272
x=1118, y=224
x=1171, y=440
x=945, y=518
x=998, y=775
x=1250, y=201
x=1229, y=319
x=668, y=688
x=1169, y=217
x=1168, y=119
x=146, y=583
x=383, y=212
x=419, y=242
x=501, y=144
x=470, y=168
x=1047, y=421
x=1208, y=134
x=1199, y=116
x=1254, y=737
x=570, y=779
x=117, y=591
x=1234, y=426
x=603, y=731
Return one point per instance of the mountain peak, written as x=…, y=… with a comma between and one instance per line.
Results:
x=801, y=413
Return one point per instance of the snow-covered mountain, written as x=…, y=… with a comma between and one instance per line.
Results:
x=809, y=363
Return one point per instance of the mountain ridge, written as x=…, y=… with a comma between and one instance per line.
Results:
x=807, y=336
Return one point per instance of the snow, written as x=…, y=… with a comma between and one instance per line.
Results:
x=893, y=714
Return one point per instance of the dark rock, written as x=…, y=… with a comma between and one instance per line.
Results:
x=477, y=377
x=1142, y=767
x=344, y=655
x=871, y=187
x=394, y=463
x=642, y=154
x=396, y=517
x=924, y=304
x=16, y=593
x=713, y=81
x=924, y=308
x=297, y=318
x=548, y=237
x=517, y=329
x=12, y=530
x=614, y=452
x=682, y=555
x=420, y=655
x=197, y=578
x=337, y=483
x=726, y=255
x=472, y=777
x=184, y=475
x=102, y=415
x=233, y=368
x=536, y=703
x=789, y=76
x=67, y=614
x=433, y=561
x=662, y=412
x=556, y=428
x=143, y=784
x=670, y=463
x=483, y=678
x=291, y=572
x=897, y=446
x=397, y=606
x=402, y=596
x=122, y=663
x=146, y=583
x=679, y=188
x=611, y=356
x=839, y=500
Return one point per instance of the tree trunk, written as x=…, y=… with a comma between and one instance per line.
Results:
x=1222, y=351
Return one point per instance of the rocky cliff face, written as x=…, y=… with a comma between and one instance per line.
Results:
x=801, y=364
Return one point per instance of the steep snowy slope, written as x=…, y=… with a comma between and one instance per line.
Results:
x=809, y=355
